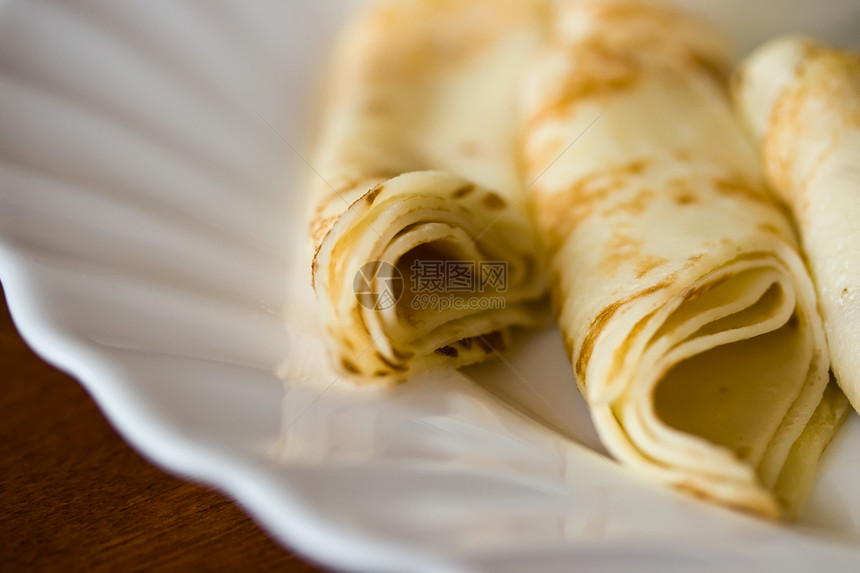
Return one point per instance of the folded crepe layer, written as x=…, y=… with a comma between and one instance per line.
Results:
x=802, y=102
x=687, y=313
x=417, y=164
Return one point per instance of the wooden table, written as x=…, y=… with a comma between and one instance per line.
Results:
x=75, y=497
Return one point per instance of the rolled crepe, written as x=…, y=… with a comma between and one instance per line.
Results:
x=687, y=314
x=418, y=183
x=802, y=101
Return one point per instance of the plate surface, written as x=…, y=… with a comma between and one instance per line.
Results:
x=151, y=244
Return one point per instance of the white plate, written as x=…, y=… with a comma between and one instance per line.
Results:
x=150, y=184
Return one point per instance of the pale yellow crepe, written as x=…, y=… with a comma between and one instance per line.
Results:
x=802, y=101
x=417, y=159
x=686, y=310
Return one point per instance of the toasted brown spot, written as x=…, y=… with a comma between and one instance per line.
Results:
x=600, y=71
x=603, y=317
x=314, y=268
x=743, y=452
x=374, y=193
x=349, y=366
x=823, y=77
x=448, y=351
x=753, y=255
x=633, y=206
x=623, y=350
x=321, y=227
x=683, y=190
x=619, y=249
x=738, y=186
x=716, y=69
x=395, y=367
x=648, y=264
x=493, y=201
x=620, y=13
x=777, y=163
x=771, y=229
x=685, y=198
x=402, y=355
x=594, y=331
x=651, y=26
x=691, y=262
x=381, y=373
x=345, y=190
x=463, y=191
x=844, y=292
x=406, y=229
x=643, y=37
x=698, y=291
x=428, y=35
x=812, y=172
x=692, y=489
x=542, y=152
x=636, y=167
x=560, y=213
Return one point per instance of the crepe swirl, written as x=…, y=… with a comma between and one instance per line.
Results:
x=802, y=101
x=417, y=160
x=687, y=314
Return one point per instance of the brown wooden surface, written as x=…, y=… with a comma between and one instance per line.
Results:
x=75, y=497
